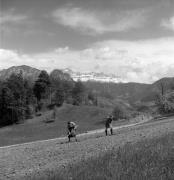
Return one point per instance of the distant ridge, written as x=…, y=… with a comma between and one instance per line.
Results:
x=32, y=74
x=27, y=72
x=98, y=82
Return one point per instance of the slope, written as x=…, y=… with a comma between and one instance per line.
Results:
x=45, y=160
x=87, y=117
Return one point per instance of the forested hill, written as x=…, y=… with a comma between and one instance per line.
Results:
x=31, y=73
x=27, y=72
x=132, y=92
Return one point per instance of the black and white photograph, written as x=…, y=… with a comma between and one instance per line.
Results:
x=86, y=89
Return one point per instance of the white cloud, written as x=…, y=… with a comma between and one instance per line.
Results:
x=144, y=61
x=138, y=61
x=96, y=22
x=168, y=23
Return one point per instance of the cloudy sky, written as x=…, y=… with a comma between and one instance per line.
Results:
x=133, y=39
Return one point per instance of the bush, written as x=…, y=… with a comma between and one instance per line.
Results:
x=165, y=103
x=120, y=112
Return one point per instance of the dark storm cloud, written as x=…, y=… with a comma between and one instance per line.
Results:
x=98, y=20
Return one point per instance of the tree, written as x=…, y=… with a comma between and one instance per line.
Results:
x=41, y=86
x=78, y=93
x=92, y=97
x=16, y=84
x=16, y=97
x=29, y=100
x=162, y=87
x=6, y=102
x=165, y=103
x=63, y=81
x=59, y=97
x=165, y=98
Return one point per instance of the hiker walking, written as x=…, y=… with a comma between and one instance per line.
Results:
x=71, y=126
x=108, y=125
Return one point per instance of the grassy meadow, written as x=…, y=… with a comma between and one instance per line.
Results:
x=146, y=160
x=87, y=117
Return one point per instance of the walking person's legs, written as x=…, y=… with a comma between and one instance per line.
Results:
x=75, y=138
x=69, y=134
x=106, y=131
x=69, y=138
x=74, y=134
x=111, y=131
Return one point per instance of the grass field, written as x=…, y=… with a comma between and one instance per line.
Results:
x=87, y=117
x=147, y=160
x=53, y=158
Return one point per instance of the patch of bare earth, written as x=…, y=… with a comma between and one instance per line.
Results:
x=42, y=158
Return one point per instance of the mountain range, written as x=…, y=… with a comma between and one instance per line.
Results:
x=93, y=76
x=99, y=82
x=32, y=73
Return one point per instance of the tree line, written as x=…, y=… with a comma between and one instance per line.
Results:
x=20, y=99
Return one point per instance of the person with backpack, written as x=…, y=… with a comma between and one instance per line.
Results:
x=108, y=125
x=71, y=126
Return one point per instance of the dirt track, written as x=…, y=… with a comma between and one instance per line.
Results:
x=34, y=160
